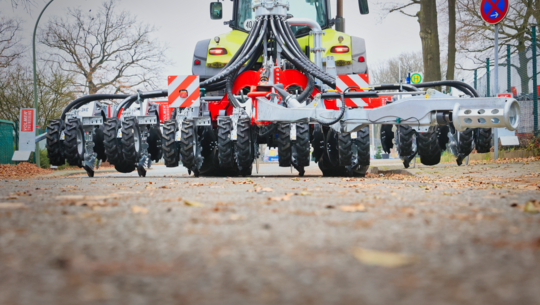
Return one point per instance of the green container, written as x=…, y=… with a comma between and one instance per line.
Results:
x=7, y=141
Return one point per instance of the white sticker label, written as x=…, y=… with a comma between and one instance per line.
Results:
x=248, y=24
x=178, y=136
x=63, y=135
x=354, y=135
x=119, y=134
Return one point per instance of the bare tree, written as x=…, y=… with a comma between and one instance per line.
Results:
x=427, y=18
x=10, y=46
x=388, y=72
x=476, y=40
x=55, y=90
x=110, y=51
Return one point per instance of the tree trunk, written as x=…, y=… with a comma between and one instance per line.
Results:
x=451, y=40
x=429, y=33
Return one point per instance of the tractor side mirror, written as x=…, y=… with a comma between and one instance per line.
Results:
x=364, y=8
x=216, y=10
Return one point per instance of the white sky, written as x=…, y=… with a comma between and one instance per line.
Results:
x=181, y=23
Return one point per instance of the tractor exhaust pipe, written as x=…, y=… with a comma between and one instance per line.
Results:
x=340, y=21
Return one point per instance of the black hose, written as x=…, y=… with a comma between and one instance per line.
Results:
x=90, y=98
x=249, y=56
x=466, y=88
x=340, y=115
x=143, y=95
x=232, y=66
x=407, y=87
x=231, y=78
x=298, y=50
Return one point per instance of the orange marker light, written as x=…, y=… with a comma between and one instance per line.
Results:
x=183, y=93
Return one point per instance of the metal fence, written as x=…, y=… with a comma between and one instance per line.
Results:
x=517, y=76
x=8, y=136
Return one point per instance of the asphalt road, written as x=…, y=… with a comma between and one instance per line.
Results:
x=433, y=235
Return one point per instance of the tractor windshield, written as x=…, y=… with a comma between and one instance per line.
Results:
x=312, y=9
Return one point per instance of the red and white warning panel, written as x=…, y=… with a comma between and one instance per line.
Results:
x=184, y=91
x=354, y=80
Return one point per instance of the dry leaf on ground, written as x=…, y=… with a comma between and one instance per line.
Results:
x=353, y=208
x=532, y=206
x=382, y=258
x=280, y=198
x=139, y=210
x=197, y=184
x=193, y=203
x=12, y=205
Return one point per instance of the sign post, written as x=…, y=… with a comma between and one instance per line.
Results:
x=27, y=135
x=493, y=12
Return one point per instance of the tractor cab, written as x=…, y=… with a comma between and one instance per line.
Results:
x=349, y=52
x=317, y=10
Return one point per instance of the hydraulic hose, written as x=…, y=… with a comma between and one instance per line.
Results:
x=407, y=87
x=231, y=78
x=90, y=98
x=143, y=95
x=468, y=89
x=232, y=66
x=289, y=35
x=249, y=56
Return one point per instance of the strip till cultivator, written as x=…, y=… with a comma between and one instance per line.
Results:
x=286, y=86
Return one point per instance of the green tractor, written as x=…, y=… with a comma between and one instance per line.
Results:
x=349, y=52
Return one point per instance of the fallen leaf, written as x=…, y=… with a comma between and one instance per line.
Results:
x=172, y=199
x=295, y=179
x=353, y=208
x=192, y=203
x=382, y=258
x=139, y=210
x=305, y=193
x=197, y=184
x=282, y=198
x=12, y=205
x=532, y=207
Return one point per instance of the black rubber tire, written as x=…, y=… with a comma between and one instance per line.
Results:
x=171, y=153
x=405, y=136
x=130, y=148
x=54, y=144
x=244, y=154
x=428, y=147
x=317, y=141
x=301, y=148
x=187, y=154
x=226, y=149
x=208, y=139
x=387, y=137
x=465, y=142
x=345, y=149
x=443, y=136
x=284, y=145
x=362, y=143
x=482, y=140
x=111, y=142
x=124, y=167
x=99, y=145
x=74, y=129
x=155, y=149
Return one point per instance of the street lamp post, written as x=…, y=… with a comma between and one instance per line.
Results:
x=37, y=152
